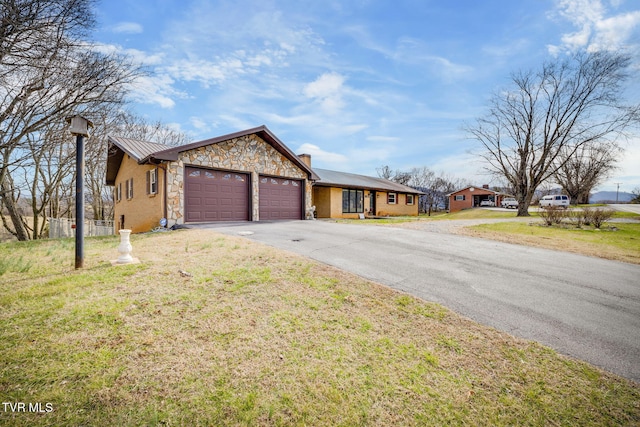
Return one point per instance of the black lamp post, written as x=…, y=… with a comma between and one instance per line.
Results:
x=79, y=128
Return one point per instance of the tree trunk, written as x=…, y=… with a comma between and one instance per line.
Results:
x=19, y=229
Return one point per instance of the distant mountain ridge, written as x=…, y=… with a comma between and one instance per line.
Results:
x=610, y=196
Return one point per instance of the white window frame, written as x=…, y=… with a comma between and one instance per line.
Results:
x=410, y=197
x=119, y=192
x=153, y=182
x=392, y=198
x=130, y=188
x=459, y=198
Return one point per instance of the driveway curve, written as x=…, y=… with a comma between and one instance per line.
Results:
x=584, y=307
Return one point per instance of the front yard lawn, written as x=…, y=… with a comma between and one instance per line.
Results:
x=218, y=330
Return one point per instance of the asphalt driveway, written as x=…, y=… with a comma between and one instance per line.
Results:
x=585, y=307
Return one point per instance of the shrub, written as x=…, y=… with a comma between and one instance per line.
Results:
x=552, y=214
x=576, y=217
x=597, y=216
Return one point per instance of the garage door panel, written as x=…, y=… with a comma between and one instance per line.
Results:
x=280, y=198
x=212, y=195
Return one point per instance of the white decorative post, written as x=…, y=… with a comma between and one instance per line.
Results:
x=125, y=248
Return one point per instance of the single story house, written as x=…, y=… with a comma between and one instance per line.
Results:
x=245, y=176
x=472, y=196
x=347, y=195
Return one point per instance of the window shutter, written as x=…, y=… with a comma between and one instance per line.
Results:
x=148, y=175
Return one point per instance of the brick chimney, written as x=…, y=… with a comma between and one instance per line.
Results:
x=485, y=186
x=306, y=158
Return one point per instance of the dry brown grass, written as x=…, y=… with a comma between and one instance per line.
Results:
x=258, y=336
x=621, y=243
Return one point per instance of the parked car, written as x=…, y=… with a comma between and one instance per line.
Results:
x=487, y=203
x=509, y=202
x=560, y=201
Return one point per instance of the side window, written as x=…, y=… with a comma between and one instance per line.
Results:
x=410, y=199
x=152, y=181
x=130, y=188
x=391, y=198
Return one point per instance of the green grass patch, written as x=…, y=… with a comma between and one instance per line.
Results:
x=619, y=241
x=254, y=336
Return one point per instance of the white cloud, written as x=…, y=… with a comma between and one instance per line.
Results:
x=157, y=89
x=595, y=29
x=327, y=90
x=319, y=154
x=127, y=28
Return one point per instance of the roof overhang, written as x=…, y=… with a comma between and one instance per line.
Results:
x=173, y=153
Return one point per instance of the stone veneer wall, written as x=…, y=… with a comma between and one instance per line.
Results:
x=249, y=153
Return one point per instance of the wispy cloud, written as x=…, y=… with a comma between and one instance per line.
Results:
x=127, y=28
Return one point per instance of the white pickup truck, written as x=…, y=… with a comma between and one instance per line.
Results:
x=509, y=202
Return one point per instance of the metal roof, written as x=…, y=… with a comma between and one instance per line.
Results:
x=136, y=148
x=171, y=153
x=329, y=178
x=151, y=152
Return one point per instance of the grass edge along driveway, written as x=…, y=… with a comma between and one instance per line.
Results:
x=250, y=335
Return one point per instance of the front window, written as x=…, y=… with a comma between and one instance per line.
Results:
x=459, y=198
x=391, y=198
x=409, y=199
x=352, y=201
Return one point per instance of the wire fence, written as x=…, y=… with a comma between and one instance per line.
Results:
x=63, y=227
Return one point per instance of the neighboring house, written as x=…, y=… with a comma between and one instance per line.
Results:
x=245, y=176
x=471, y=197
x=347, y=195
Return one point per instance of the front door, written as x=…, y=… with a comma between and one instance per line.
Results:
x=372, y=203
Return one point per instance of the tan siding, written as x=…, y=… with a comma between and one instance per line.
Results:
x=400, y=208
x=328, y=202
x=143, y=212
x=322, y=201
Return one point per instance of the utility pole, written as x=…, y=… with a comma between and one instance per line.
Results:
x=617, y=190
x=79, y=128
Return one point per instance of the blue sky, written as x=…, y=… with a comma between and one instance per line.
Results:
x=357, y=84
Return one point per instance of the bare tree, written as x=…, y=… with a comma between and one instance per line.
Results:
x=385, y=172
x=589, y=166
x=47, y=72
x=125, y=124
x=533, y=130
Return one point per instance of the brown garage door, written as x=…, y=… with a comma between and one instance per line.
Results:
x=213, y=195
x=280, y=198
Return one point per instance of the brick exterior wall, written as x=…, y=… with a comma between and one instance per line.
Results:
x=400, y=208
x=328, y=202
x=144, y=211
x=468, y=202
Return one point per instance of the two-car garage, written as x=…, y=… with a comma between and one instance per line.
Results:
x=219, y=195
